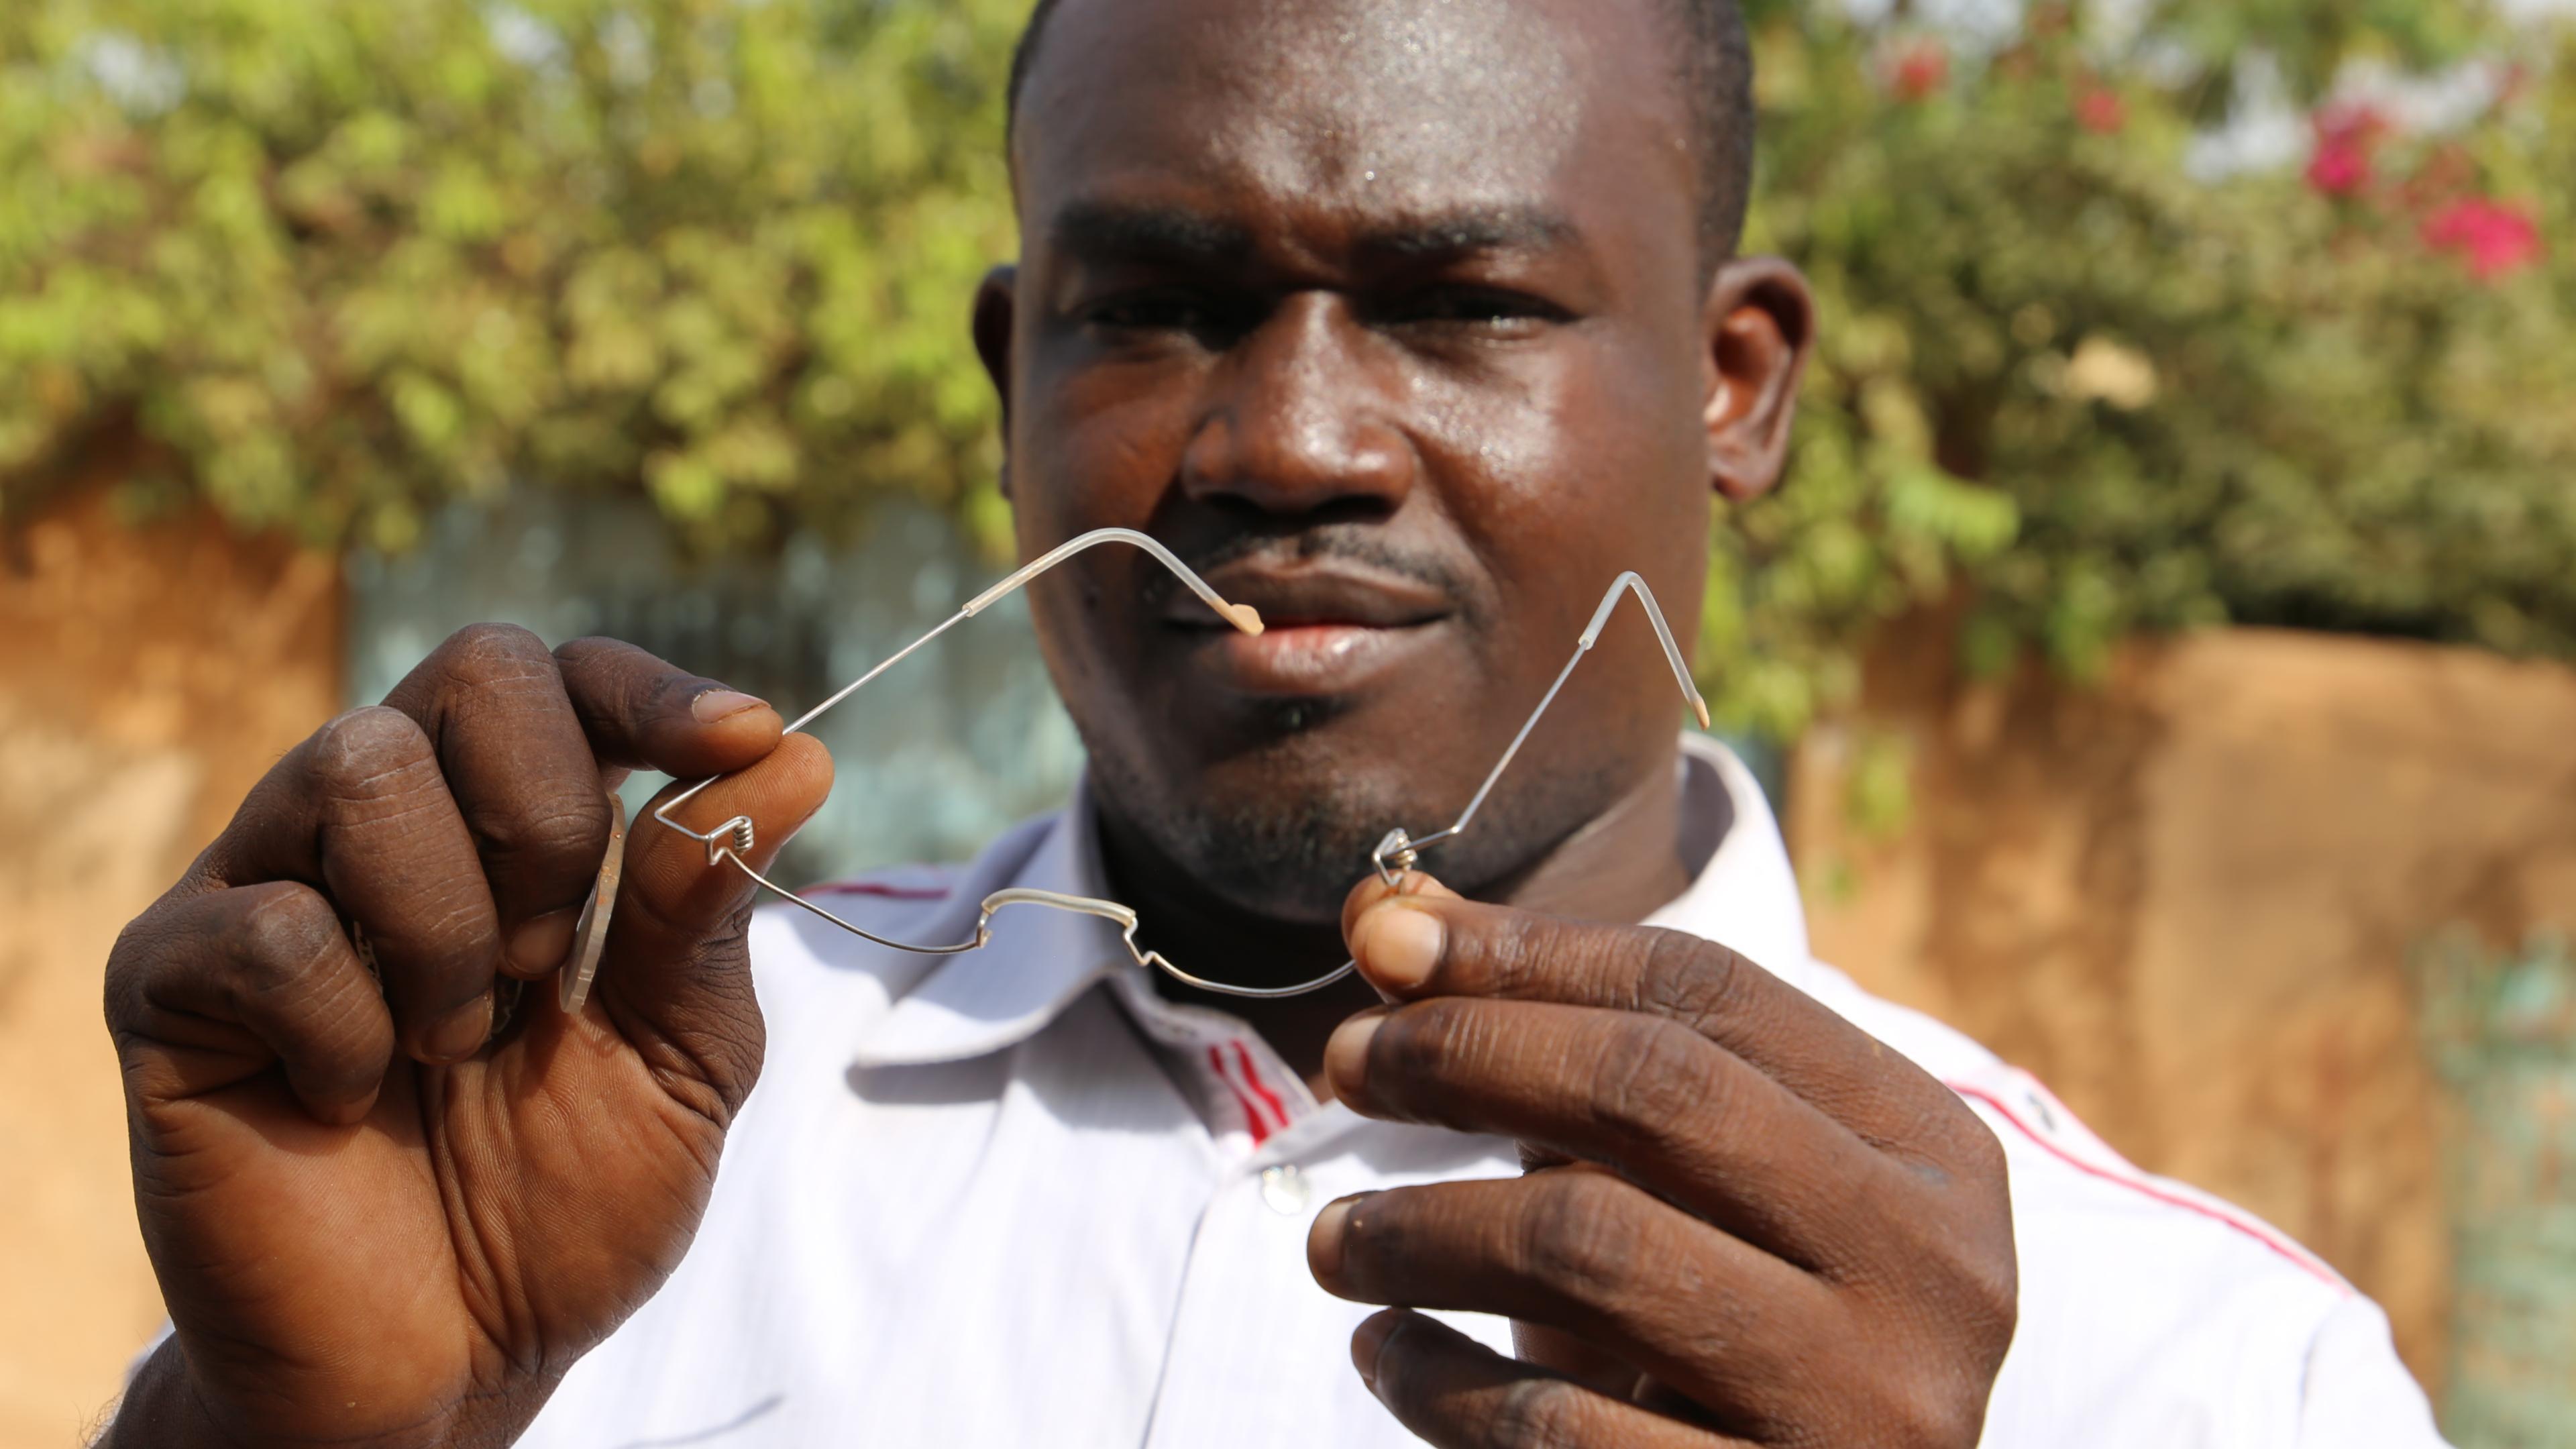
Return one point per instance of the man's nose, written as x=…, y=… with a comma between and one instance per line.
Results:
x=1302, y=417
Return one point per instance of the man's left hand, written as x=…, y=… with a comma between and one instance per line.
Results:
x=1745, y=1221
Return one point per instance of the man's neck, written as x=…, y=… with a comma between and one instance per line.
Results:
x=1622, y=865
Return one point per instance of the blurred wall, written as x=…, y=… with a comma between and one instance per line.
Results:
x=2191, y=901
x=147, y=678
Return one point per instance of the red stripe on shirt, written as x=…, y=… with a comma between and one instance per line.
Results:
x=2150, y=1190
x=1252, y=1074
x=1252, y=1119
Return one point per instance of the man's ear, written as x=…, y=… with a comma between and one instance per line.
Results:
x=1760, y=326
x=996, y=304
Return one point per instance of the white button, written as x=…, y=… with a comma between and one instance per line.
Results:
x=1285, y=1190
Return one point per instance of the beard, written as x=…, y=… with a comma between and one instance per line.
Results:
x=1291, y=854
x=1292, y=851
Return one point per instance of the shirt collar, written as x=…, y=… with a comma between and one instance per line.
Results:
x=1746, y=897
x=1040, y=961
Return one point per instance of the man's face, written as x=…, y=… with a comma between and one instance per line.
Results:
x=1390, y=317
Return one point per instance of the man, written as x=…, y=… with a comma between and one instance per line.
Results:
x=1413, y=323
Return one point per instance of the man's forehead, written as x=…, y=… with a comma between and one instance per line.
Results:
x=1390, y=107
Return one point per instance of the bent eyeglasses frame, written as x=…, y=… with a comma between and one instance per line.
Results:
x=732, y=840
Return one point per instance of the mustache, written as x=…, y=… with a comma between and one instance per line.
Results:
x=1358, y=544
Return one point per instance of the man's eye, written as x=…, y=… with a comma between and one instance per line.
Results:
x=1154, y=312
x=1473, y=307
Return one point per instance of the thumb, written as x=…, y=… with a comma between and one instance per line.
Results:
x=675, y=969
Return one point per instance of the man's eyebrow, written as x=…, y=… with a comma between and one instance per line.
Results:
x=1476, y=229
x=1102, y=230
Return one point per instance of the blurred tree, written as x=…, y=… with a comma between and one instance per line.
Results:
x=340, y=260
x=2101, y=353
x=2138, y=316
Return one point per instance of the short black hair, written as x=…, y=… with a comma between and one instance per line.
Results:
x=1716, y=75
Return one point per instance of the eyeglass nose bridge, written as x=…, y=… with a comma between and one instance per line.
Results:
x=1110, y=911
x=1125, y=920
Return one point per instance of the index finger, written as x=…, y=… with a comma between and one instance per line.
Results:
x=1417, y=942
x=640, y=713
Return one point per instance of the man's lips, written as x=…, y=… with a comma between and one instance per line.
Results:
x=1313, y=596
x=1327, y=629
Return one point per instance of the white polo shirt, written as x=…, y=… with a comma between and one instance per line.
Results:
x=1013, y=1198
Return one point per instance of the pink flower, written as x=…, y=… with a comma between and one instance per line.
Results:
x=1918, y=68
x=2101, y=111
x=2495, y=238
x=2346, y=135
x=2340, y=167
x=2345, y=138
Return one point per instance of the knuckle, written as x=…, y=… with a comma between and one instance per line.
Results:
x=281, y=933
x=487, y=653
x=487, y=667
x=286, y=943
x=1655, y=1074
x=1687, y=977
x=1580, y=1239
x=297, y=974
x=1540, y=1413
x=567, y=824
x=1513, y=951
x=356, y=753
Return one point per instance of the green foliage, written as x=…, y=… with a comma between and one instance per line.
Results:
x=342, y=259
x=338, y=261
x=2344, y=401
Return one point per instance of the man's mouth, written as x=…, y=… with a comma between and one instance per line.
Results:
x=1329, y=627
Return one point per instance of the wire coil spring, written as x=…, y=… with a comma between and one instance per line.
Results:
x=734, y=838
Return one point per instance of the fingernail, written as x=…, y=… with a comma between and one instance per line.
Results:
x=1346, y=1056
x=459, y=1034
x=541, y=943
x=721, y=704
x=1399, y=946
x=1324, y=1239
x=1369, y=1342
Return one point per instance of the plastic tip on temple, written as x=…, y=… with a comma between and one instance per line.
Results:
x=1242, y=616
x=1702, y=707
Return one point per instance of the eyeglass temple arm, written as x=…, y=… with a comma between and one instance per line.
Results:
x=1397, y=852
x=733, y=838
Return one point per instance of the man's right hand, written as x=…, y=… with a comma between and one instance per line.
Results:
x=370, y=1226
